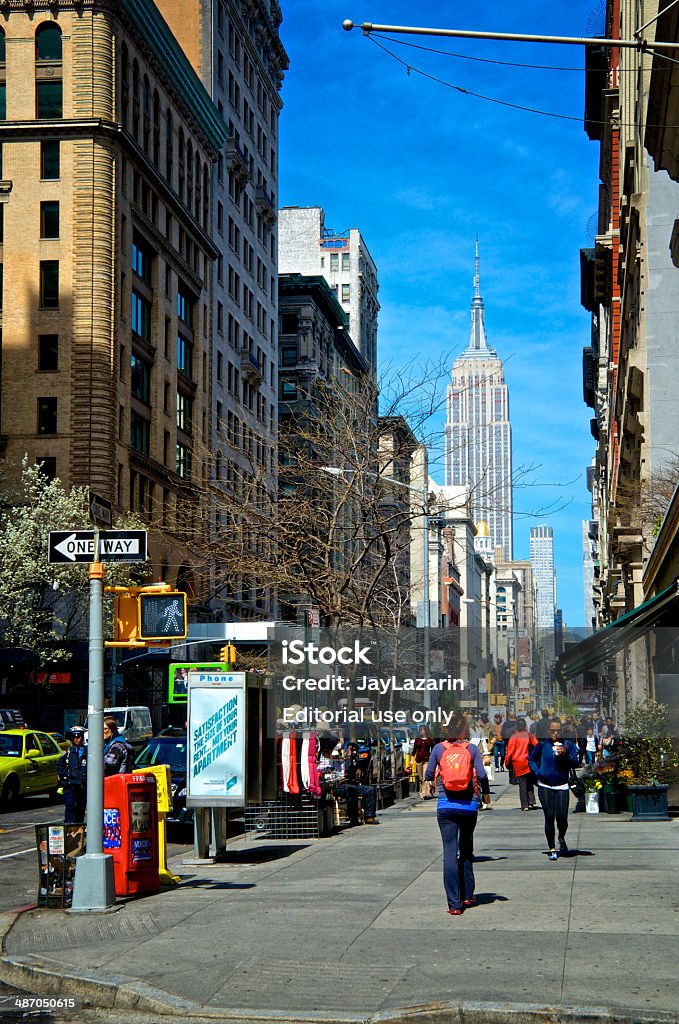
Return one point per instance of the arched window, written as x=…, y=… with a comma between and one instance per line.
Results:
x=181, y=182
x=146, y=112
x=3, y=83
x=48, y=42
x=135, y=99
x=197, y=176
x=169, y=147
x=206, y=196
x=189, y=174
x=156, y=128
x=49, y=88
x=124, y=85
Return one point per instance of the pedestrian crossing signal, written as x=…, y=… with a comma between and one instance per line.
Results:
x=163, y=616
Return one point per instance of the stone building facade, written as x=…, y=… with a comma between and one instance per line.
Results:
x=108, y=143
x=235, y=48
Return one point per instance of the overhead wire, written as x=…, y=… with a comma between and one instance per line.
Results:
x=488, y=60
x=507, y=103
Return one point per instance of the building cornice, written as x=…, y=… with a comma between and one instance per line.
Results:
x=144, y=20
x=111, y=133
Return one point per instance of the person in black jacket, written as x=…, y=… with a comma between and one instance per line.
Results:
x=354, y=788
x=72, y=775
x=118, y=755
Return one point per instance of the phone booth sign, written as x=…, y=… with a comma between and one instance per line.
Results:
x=131, y=832
x=216, y=728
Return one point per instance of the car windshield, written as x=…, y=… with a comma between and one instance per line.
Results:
x=165, y=751
x=10, y=746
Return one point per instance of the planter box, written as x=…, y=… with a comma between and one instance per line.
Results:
x=649, y=803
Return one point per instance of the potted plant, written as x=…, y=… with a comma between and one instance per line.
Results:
x=592, y=788
x=648, y=760
x=610, y=797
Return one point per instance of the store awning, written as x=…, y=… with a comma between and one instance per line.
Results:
x=603, y=644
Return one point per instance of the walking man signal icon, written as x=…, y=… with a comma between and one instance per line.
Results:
x=162, y=616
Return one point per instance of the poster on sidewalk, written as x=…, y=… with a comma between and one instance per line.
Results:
x=216, y=729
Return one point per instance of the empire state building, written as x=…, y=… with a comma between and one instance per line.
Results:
x=478, y=434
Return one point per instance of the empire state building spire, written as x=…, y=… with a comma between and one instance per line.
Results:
x=478, y=433
x=478, y=341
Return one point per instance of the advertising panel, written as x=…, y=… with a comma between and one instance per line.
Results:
x=178, y=681
x=216, y=728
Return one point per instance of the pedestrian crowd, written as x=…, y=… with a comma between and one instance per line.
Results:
x=541, y=754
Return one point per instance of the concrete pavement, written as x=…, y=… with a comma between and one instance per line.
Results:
x=354, y=926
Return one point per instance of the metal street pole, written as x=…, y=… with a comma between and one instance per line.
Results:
x=93, y=887
x=512, y=37
x=425, y=580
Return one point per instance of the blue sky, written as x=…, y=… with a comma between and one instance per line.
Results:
x=419, y=168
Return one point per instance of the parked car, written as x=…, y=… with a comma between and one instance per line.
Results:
x=371, y=749
x=393, y=755
x=173, y=751
x=405, y=735
x=60, y=740
x=28, y=764
x=11, y=719
x=134, y=724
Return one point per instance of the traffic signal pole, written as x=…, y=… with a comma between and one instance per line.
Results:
x=93, y=889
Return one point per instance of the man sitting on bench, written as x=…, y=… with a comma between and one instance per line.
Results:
x=353, y=788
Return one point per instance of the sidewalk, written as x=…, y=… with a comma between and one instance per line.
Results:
x=356, y=925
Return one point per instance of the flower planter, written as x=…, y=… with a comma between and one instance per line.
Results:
x=592, y=802
x=649, y=803
x=612, y=802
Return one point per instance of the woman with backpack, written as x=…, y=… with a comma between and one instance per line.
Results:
x=457, y=763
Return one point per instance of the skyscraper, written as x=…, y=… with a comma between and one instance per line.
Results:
x=542, y=561
x=478, y=434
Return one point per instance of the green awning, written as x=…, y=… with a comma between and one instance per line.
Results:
x=603, y=644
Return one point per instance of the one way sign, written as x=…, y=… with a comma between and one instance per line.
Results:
x=114, y=546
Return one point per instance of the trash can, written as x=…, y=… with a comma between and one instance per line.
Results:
x=58, y=846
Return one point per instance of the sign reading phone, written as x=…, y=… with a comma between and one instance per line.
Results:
x=216, y=728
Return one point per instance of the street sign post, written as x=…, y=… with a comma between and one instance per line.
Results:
x=101, y=510
x=114, y=546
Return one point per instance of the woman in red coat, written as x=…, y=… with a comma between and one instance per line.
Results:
x=516, y=758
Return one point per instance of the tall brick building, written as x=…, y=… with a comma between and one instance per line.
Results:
x=108, y=144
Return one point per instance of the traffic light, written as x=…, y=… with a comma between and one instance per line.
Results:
x=514, y=668
x=163, y=616
x=228, y=654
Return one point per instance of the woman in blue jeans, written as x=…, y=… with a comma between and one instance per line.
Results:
x=457, y=813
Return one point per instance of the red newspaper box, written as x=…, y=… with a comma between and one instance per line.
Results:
x=131, y=832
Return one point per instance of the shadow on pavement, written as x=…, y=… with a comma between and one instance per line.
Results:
x=261, y=854
x=208, y=883
x=485, y=898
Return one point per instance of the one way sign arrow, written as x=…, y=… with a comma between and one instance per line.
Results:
x=114, y=546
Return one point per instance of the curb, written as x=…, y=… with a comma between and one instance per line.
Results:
x=119, y=993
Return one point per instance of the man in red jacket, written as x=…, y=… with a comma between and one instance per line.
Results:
x=516, y=759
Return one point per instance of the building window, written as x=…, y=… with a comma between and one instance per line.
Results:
x=346, y=293
x=48, y=467
x=184, y=306
x=139, y=433
x=50, y=161
x=288, y=355
x=220, y=367
x=48, y=352
x=47, y=416
x=140, y=378
x=49, y=219
x=49, y=100
x=48, y=42
x=141, y=316
x=288, y=391
x=185, y=356
x=184, y=412
x=334, y=261
x=141, y=260
x=289, y=323
x=183, y=463
x=345, y=261
x=49, y=284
